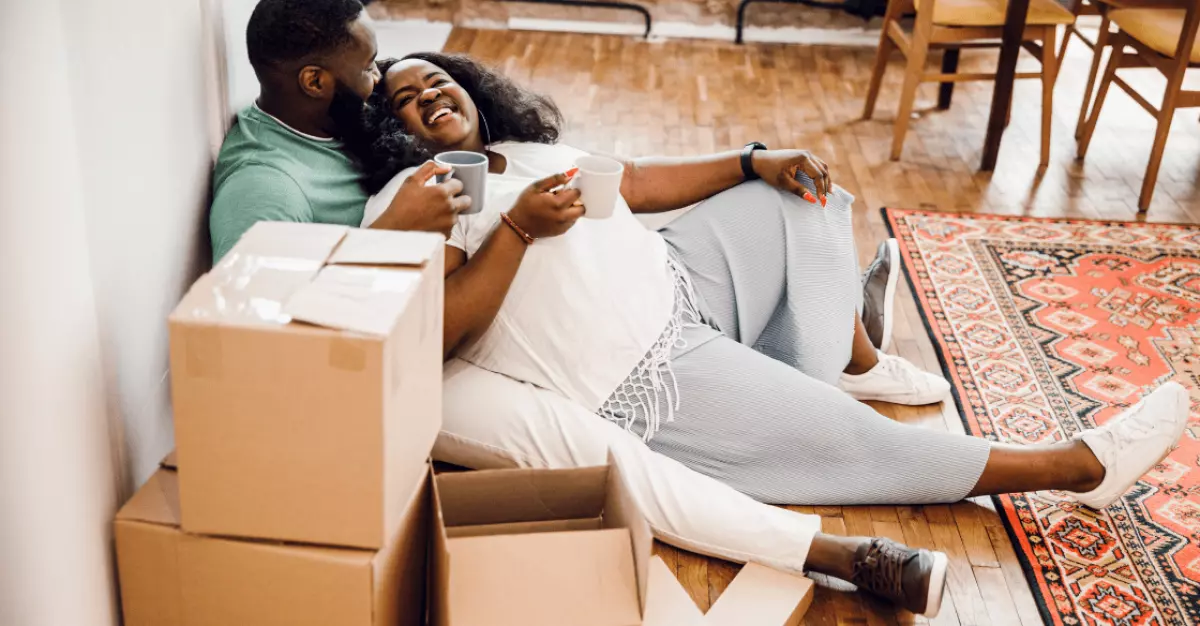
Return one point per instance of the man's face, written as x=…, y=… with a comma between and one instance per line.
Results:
x=353, y=65
x=355, y=75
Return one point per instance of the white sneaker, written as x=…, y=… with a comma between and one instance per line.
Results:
x=896, y=380
x=1135, y=441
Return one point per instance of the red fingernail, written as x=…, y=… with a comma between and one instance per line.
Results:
x=809, y=197
x=823, y=201
x=572, y=172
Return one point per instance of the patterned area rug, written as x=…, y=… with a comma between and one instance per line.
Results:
x=1047, y=327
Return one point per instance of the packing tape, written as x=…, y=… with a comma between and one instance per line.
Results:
x=347, y=355
x=203, y=352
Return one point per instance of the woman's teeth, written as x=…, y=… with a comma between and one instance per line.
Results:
x=439, y=114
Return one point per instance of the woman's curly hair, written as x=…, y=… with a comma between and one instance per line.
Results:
x=508, y=112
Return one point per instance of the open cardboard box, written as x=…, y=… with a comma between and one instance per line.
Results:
x=571, y=546
x=169, y=577
x=306, y=377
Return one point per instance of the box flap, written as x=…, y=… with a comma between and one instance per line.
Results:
x=668, y=602
x=401, y=568
x=359, y=299
x=546, y=579
x=380, y=247
x=170, y=461
x=525, y=528
x=761, y=596
x=621, y=510
x=157, y=502
x=439, y=564
x=287, y=240
x=509, y=496
x=247, y=290
x=252, y=281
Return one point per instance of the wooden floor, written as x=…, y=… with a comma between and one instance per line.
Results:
x=632, y=97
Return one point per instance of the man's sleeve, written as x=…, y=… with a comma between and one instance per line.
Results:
x=256, y=193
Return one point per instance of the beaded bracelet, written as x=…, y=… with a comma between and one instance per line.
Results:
x=516, y=229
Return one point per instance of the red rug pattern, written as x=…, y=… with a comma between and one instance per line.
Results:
x=1048, y=327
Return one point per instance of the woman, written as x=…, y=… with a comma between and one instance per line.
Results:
x=722, y=339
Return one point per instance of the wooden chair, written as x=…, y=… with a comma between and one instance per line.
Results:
x=1101, y=8
x=953, y=25
x=1164, y=39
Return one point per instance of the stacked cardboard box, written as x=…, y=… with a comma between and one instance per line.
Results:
x=306, y=372
x=306, y=378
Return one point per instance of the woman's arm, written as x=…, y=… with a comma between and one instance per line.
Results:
x=657, y=184
x=476, y=288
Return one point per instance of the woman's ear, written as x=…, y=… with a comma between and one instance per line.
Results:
x=315, y=81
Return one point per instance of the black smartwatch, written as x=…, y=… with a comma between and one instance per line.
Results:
x=747, y=164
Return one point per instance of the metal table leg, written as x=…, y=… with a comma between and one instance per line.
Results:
x=603, y=4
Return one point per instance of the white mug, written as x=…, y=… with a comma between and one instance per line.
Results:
x=599, y=182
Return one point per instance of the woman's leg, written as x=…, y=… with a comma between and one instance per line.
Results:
x=781, y=275
x=775, y=273
x=781, y=437
x=863, y=355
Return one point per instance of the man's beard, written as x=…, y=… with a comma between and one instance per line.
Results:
x=349, y=114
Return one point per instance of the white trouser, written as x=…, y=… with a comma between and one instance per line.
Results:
x=492, y=422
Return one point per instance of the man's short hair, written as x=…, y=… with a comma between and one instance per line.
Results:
x=287, y=31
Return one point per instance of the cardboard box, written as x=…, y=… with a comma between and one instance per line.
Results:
x=306, y=374
x=570, y=546
x=172, y=578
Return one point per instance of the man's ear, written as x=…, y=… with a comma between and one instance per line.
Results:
x=315, y=81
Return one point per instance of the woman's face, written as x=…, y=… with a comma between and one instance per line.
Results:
x=431, y=105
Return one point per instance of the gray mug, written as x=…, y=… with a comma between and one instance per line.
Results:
x=471, y=168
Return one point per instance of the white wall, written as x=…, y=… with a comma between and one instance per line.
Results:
x=109, y=122
x=56, y=487
x=104, y=168
x=137, y=80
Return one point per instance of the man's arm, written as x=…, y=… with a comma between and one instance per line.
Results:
x=252, y=194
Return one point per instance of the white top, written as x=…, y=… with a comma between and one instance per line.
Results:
x=585, y=307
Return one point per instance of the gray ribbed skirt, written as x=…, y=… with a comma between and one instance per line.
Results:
x=777, y=281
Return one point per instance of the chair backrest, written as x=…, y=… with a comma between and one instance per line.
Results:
x=1187, y=35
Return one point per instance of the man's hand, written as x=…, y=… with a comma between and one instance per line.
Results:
x=541, y=212
x=779, y=168
x=432, y=208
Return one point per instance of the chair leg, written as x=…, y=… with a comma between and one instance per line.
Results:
x=918, y=51
x=1160, y=143
x=1066, y=40
x=1114, y=61
x=1049, y=76
x=886, y=46
x=1097, y=57
x=949, y=66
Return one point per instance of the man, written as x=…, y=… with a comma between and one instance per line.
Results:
x=283, y=159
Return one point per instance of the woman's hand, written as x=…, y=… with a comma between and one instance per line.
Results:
x=780, y=167
x=541, y=212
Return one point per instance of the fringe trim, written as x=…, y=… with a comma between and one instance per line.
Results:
x=637, y=399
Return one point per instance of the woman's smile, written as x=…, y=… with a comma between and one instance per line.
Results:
x=440, y=112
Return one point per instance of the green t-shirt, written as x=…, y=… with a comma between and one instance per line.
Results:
x=269, y=172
